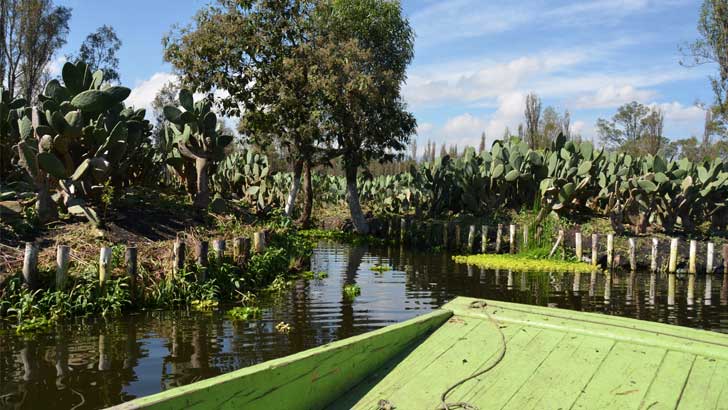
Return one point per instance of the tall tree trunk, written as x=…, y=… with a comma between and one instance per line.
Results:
x=202, y=196
x=352, y=199
x=295, y=186
x=305, y=220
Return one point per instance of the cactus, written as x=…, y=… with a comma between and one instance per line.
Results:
x=83, y=137
x=197, y=139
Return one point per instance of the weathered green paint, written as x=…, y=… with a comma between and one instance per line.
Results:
x=306, y=380
x=555, y=359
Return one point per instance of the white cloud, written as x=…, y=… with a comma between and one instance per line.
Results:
x=613, y=96
x=144, y=92
x=56, y=66
x=464, y=130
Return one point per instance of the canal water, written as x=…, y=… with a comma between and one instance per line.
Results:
x=94, y=363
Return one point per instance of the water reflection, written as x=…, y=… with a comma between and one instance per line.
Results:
x=92, y=363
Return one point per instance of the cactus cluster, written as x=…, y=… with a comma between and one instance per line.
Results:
x=567, y=177
x=78, y=138
x=11, y=110
x=196, y=143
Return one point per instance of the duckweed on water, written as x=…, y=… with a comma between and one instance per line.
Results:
x=351, y=291
x=523, y=263
x=380, y=268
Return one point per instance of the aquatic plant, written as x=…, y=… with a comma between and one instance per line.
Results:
x=523, y=263
x=351, y=291
x=245, y=313
x=380, y=268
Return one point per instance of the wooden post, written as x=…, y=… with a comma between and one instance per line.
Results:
x=691, y=289
x=130, y=262
x=707, y=298
x=595, y=249
x=471, y=238
x=653, y=288
x=653, y=257
x=237, y=248
x=576, y=286
x=559, y=238
x=498, y=238
x=632, y=255
x=670, y=288
x=30, y=266
x=672, y=266
x=577, y=246
x=445, y=229
x=610, y=251
x=692, y=262
x=245, y=255
x=512, y=239
x=259, y=244
x=484, y=239
x=104, y=265
x=709, y=258
x=608, y=286
x=62, y=254
x=179, y=256
x=458, y=237
x=725, y=261
x=202, y=248
x=402, y=229
x=525, y=236
x=218, y=246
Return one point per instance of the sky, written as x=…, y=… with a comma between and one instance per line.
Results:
x=476, y=60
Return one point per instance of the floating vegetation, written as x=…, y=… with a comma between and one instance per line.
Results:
x=283, y=327
x=322, y=275
x=381, y=268
x=308, y=275
x=351, y=291
x=523, y=263
x=205, y=304
x=245, y=313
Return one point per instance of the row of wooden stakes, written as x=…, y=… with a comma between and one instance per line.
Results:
x=241, y=252
x=578, y=248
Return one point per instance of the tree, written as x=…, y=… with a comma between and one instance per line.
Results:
x=481, y=147
x=413, y=149
x=625, y=127
x=533, y=115
x=652, y=139
x=366, y=46
x=31, y=31
x=712, y=47
x=443, y=150
x=99, y=50
x=262, y=54
x=566, y=124
x=550, y=127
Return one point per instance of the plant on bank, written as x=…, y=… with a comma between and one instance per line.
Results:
x=85, y=137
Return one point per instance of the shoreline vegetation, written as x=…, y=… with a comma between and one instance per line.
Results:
x=103, y=205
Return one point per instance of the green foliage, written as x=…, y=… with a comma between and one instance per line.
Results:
x=533, y=261
x=85, y=139
x=196, y=141
x=351, y=291
x=244, y=313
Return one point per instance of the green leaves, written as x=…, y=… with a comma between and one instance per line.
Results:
x=51, y=164
x=93, y=101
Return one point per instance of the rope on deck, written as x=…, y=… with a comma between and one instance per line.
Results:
x=444, y=405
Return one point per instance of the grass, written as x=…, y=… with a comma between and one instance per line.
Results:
x=520, y=262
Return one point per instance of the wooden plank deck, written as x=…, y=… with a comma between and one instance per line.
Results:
x=555, y=359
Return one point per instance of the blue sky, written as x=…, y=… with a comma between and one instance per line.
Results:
x=475, y=60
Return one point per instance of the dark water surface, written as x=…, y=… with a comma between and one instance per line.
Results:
x=94, y=363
